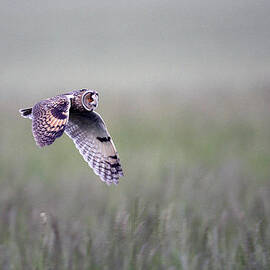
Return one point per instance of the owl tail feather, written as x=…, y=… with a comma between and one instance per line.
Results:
x=26, y=112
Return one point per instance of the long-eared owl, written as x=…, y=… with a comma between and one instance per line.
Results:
x=73, y=113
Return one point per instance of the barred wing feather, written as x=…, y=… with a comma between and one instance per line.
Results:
x=90, y=135
x=49, y=119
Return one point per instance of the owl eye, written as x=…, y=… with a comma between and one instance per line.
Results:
x=87, y=101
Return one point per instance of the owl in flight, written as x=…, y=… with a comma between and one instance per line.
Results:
x=73, y=113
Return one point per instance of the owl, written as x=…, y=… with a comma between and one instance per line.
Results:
x=73, y=113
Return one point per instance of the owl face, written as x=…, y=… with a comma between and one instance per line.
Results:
x=90, y=100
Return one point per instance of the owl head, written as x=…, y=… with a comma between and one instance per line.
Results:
x=90, y=100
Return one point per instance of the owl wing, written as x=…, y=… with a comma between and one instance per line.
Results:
x=49, y=119
x=91, y=138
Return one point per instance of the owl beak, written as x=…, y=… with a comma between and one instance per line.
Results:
x=95, y=97
x=95, y=100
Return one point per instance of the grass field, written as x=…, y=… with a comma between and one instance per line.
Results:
x=196, y=191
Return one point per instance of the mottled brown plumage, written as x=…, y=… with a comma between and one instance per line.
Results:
x=73, y=114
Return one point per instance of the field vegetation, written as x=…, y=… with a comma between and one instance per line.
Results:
x=196, y=191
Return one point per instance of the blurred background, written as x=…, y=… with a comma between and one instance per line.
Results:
x=184, y=90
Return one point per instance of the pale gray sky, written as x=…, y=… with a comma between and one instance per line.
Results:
x=127, y=45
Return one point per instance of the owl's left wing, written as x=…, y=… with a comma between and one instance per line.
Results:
x=91, y=137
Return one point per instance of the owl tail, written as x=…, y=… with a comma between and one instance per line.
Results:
x=26, y=112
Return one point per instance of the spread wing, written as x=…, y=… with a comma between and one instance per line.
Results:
x=49, y=119
x=90, y=135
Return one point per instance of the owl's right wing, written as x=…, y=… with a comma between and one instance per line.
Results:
x=91, y=138
x=49, y=119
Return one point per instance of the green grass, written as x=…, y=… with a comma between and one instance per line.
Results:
x=195, y=195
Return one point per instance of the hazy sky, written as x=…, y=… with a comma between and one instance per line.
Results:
x=127, y=45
